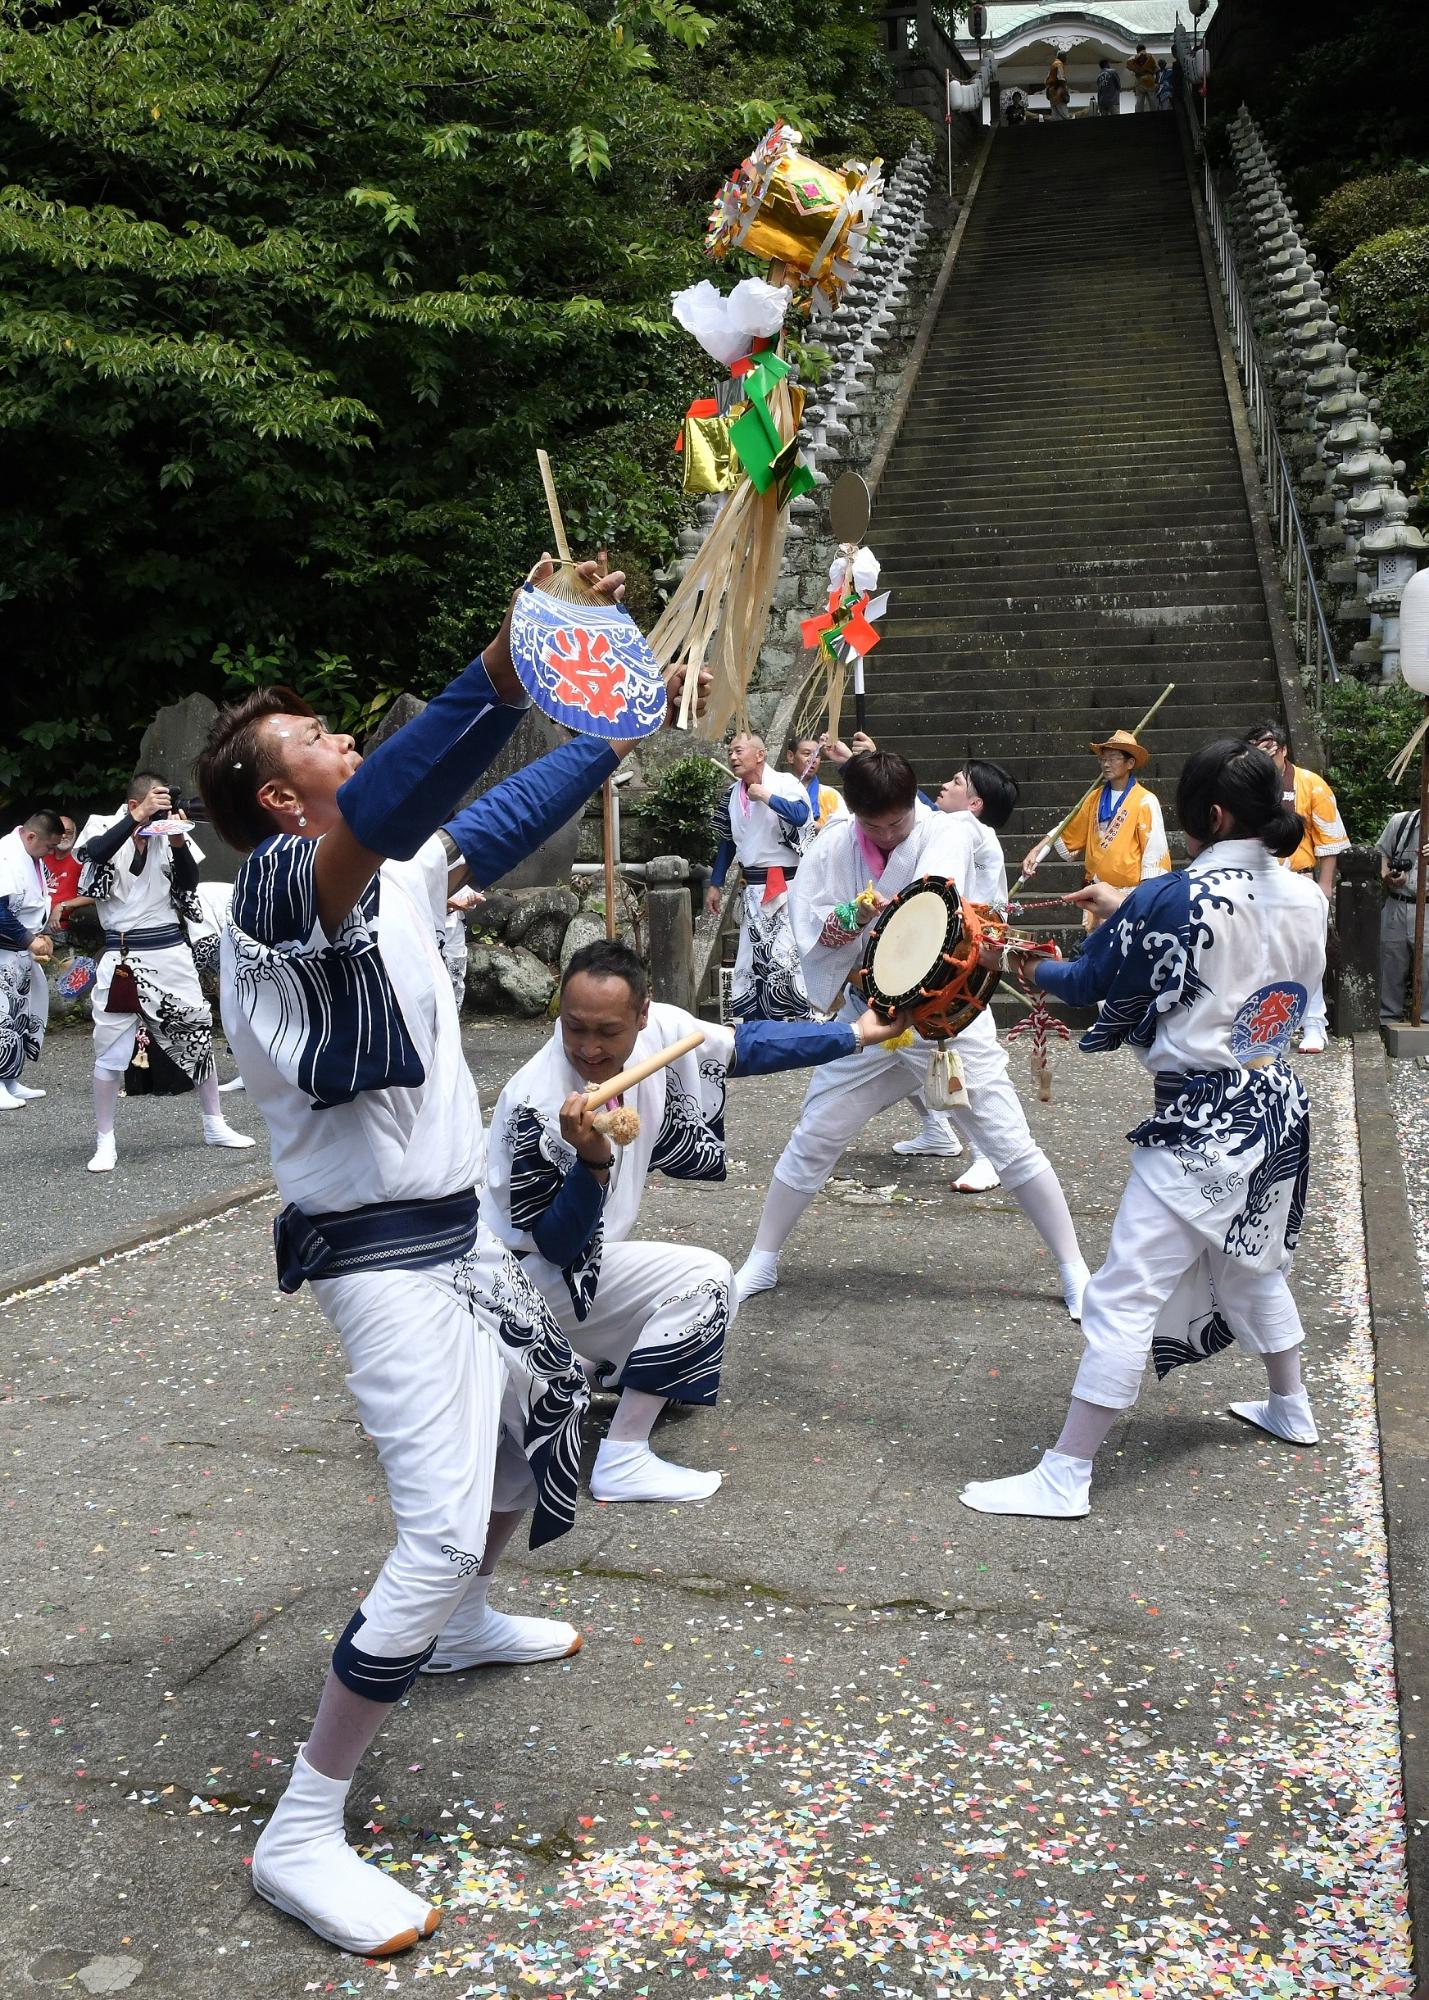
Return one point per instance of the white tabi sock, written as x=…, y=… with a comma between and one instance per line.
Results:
x=935, y=1135
x=105, y=1157
x=304, y=1866
x=632, y=1472
x=1287, y=1417
x=24, y=1092
x=1074, y=1283
x=1058, y=1489
x=10, y=1099
x=477, y=1636
x=218, y=1132
x=758, y=1273
x=978, y=1177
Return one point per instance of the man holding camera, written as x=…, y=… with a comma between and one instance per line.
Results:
x=140, y=864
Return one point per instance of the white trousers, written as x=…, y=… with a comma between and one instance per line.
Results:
x=1154, y=1250
x=658, y=1319
x=171, y=972
x=426, y=1372
x=844, y=1096
x=26, y=979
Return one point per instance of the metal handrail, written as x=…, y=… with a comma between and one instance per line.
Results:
x=1302, y=593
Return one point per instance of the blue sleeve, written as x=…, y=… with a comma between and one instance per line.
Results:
x=762, y=1047
x=1086, y=980
x=796, y=811
x=724, y=854
x=925, y=800
x=399, y=796
x=13, y=935
x=104, y=846
x=501, y=828
x=564, y=1227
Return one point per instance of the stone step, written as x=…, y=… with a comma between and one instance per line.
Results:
x=1076, y=717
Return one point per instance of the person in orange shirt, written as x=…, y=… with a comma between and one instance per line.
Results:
x=1117, y=829
x=1143, y=78
x=1323, y=842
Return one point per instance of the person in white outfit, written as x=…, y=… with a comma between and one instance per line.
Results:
x=25, y=950
x=650, y=1317
x=988, y=795
x=343, y=1019
x=764, y=824
x=891, y=840
x=140, y=864
x=1207, y=974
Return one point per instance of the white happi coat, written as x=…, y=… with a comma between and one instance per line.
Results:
x=766, y=974
x=1207, y=975
x=174, y=1009
x=350, y=1045
x=844, y=1095
x=989, y=876
x=24, y=987
x=657, y=1312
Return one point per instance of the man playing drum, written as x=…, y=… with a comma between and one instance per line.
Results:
x=891, y=840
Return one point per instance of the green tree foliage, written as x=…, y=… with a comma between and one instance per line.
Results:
x=1364, y=728
x=678, y=808
x=290, y=294
x=1367, y=207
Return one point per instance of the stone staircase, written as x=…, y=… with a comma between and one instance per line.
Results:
x=1063, y=522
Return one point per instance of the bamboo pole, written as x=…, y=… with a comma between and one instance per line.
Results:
x=1055, y=835
x=607, y=834
x=601, y=1093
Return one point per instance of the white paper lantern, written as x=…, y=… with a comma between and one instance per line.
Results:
x=1414, y=632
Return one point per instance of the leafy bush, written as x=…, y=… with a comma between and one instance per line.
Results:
x=1383, y=288
x=1365, y=726
x=678, y=807
x=1368, y=207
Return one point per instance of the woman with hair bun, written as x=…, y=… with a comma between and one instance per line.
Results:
x=1207, y=974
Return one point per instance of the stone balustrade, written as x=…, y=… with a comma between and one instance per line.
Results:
x=1327, y=415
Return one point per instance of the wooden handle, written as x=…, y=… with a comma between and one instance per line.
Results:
x=601, y=1093
x=553, y=507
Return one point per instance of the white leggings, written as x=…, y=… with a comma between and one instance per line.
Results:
x=1154, y=1250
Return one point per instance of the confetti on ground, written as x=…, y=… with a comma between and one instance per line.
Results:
x=1028, y=1816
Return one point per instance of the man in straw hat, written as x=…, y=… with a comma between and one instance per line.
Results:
x=1118, y=829
x=648, y=1318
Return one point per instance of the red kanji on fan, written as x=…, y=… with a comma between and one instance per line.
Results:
x=591, y=676
x=1271, y=1017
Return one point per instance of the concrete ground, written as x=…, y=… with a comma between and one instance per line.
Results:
x=830, y=1733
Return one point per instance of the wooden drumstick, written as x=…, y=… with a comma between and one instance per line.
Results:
x=601, y=1093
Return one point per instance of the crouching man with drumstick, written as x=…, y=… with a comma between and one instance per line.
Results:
x=852, y=871
x=564, y=1178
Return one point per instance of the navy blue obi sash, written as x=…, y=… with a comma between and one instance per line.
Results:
x=158, y=938
x=384, y=1236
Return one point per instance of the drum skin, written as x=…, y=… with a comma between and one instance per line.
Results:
x=921, y=959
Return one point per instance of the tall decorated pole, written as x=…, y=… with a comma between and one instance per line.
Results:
x=811, y=223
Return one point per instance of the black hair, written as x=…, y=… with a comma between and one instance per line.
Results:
x=998, y=790
x=1276, y=731
x=1244, y=782
x=879, y=781
x=45, y=821
x=791, y=743
x=142, y=782
x=238, y=759
x=608, y=958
